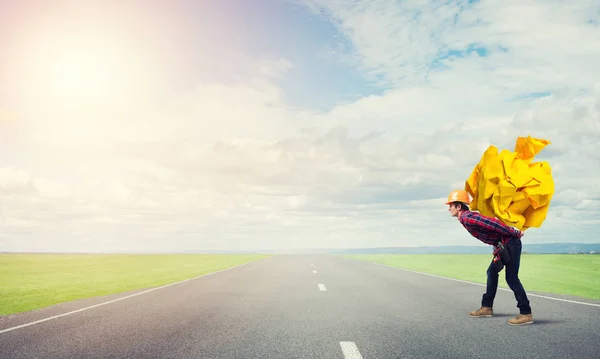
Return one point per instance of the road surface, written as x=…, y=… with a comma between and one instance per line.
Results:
x=303, y=306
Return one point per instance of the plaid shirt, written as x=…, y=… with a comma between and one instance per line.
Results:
x=489, y=230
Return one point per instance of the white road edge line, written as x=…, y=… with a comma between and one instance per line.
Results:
x=483, y=285
x=322, y=287
x=115, y=300
x=350, y=350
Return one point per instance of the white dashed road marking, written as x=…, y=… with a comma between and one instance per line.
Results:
x=350, y=350
x=322, y=287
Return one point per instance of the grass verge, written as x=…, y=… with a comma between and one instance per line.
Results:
x=32, y=281
x=570, y=274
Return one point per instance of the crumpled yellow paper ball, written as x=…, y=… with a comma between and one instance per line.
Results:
x=512, y=188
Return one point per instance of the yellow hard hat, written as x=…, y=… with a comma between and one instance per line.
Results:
x=458, y=195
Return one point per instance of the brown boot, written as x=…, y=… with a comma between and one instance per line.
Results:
x=482, y=312
x=521, y=319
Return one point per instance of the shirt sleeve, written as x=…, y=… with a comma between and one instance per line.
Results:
x=490, y=224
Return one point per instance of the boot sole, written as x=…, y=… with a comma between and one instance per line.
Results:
x=481, y=316
x=518, y=324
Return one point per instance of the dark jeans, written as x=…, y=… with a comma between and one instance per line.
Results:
x=514, y=248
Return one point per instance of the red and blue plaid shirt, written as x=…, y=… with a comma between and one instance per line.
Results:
x=489, y=230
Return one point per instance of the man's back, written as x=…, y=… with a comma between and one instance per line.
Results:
x=489, y=230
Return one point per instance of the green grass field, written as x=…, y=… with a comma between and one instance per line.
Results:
x=571, y=274
x=31, y=281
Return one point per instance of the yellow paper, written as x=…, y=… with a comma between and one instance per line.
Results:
x=509, y=186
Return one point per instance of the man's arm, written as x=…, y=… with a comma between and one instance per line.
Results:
x=491, y=224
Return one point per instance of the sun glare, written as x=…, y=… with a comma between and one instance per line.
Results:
x=82, y=76
x=80, y=69
x=77, y=90
x=75, y=78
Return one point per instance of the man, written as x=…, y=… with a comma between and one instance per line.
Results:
x=494, y=232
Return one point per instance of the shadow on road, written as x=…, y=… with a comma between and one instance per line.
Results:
x=546, y=321
x=535, y=320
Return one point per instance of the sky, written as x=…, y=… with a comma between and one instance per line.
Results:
x=285, y=124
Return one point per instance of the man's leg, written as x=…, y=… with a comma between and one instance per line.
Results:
x=514, y=248
x=487, y=299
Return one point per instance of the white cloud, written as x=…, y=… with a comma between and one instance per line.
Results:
x=50, y=189
x=11, y=178
x=230, y=165
x=399, y=40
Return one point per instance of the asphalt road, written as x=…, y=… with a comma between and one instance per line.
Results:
x=303, y=307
